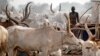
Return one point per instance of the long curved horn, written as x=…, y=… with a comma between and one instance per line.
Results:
x=68, y=24
x=97, y=24
x=26, y=12
x=88, y=31
x=85, y=12
x=86, y=19
x=8, y=15
x=51, y=8
x=59, y=7
x=29, y=12
x=97, y=30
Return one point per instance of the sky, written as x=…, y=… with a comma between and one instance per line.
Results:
x=55, y=2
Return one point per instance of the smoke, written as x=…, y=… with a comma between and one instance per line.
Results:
x=40, y=8
x=3, y=4
x=65, y=6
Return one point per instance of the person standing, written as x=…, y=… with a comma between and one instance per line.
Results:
x=74, y=17
x=74, y=20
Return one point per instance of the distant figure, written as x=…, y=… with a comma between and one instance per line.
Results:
x=74, y=17
x=74, y=20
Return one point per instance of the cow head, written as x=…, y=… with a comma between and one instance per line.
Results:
x=70, y=37
x=8, y=22
x=11, y=21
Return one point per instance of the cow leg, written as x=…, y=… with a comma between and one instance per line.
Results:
x=56, y=53
x=14, y=52
x=3, y=54
x=3, y=49
x=44, y=52
x=34, y=53
x=10, y=52
x=19, y=52
x=6, y=53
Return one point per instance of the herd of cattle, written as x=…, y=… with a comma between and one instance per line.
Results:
x=45, y=40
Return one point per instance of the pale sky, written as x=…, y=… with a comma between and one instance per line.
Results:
x=55, y=2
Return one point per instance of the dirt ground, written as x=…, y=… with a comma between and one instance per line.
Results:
x=72, y=55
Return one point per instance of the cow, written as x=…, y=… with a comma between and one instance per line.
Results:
x=3, y=41
x=45, y=39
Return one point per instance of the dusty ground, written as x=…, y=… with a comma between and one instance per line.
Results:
x=72, y=55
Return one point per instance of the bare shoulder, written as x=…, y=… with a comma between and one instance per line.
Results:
x=70, y=12
x=76, y=12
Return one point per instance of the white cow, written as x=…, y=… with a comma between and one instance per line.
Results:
x=3, y=41
x=45, y=39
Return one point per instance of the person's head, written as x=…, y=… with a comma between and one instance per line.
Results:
x=73, y=9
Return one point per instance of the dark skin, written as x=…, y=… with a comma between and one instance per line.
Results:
x=74, y=20
x=74, y=17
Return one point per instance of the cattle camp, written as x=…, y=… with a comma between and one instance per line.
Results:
x=49, y=28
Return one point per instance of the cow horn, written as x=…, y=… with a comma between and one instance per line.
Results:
x=97, y=30
x=59, y=7
x=26, y=12
x=51, y=8
x=68, y=24
x=88, y=31
x=85, y=12
x=97, y=24
x=86, y=19
x=8, y=15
